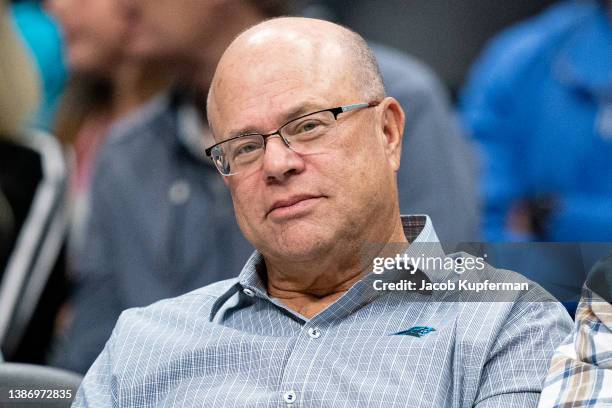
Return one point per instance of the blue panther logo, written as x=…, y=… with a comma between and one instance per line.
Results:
x=416, y=331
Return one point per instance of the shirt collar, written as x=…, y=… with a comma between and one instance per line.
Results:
x=419, y=232
x=140, y=117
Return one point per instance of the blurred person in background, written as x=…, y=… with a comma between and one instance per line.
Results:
x=105, y=85
x=580, y=373
x=19, y=97
x=539, y=103
x=162, y=222
x=20, y=90
x=32, y=199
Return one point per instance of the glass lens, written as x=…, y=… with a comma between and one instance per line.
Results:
x=237, y=155
x=307, y=134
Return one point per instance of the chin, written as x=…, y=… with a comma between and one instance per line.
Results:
x=303, y=241
x=302, y=252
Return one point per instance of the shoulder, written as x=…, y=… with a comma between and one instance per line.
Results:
x=147, y=341
x=521, y=321
x=513, y=296
x=405, y=75
x=135, y=141
x=197, y=303
x=165, y=324
x=141, y=124
x=477, y=269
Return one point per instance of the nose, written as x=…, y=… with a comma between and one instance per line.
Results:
x=280, y=162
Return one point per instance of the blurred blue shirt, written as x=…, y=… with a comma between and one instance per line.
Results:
x=42, y=35
x=539, y=102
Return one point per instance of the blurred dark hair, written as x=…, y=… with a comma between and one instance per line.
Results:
x=84, y=95
x=274, y=8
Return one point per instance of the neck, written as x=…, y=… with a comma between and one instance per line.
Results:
x=134, y=85
x=309, y=287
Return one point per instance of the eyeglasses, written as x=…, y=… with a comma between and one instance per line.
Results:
x=306, y=134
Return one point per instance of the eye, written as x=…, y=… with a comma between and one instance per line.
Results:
x=246, y=148
x=308, y=126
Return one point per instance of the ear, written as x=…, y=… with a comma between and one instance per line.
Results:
x=392, y=126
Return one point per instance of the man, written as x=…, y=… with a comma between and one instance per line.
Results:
x=310, y=146
x=581, y=370
x=162, y=223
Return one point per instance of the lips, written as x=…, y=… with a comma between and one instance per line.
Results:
x=289, y=202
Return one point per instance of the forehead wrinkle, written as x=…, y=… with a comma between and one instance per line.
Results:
x=267, y=60
x=286, y=114
x=245, y=99
x=278, y=95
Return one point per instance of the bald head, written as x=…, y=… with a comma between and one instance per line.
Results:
x=308, y=181
x=319, y=51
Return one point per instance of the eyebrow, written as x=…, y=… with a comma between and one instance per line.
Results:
x=289, y=115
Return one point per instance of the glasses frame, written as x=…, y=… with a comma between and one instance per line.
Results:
x=335, y=111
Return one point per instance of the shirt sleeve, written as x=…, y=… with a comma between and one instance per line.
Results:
x=519, y=359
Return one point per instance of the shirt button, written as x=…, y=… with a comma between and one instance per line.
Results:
x=248, y=292
x=179, y=192
x=290, y=397
x=314, y=332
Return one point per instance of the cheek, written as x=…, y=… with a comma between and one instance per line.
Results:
x=248, y=203
x=360, y=170
x=356, y=156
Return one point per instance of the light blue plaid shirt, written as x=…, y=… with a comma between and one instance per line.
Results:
x=230, y=345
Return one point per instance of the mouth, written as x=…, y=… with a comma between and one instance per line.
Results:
x=292, y=206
